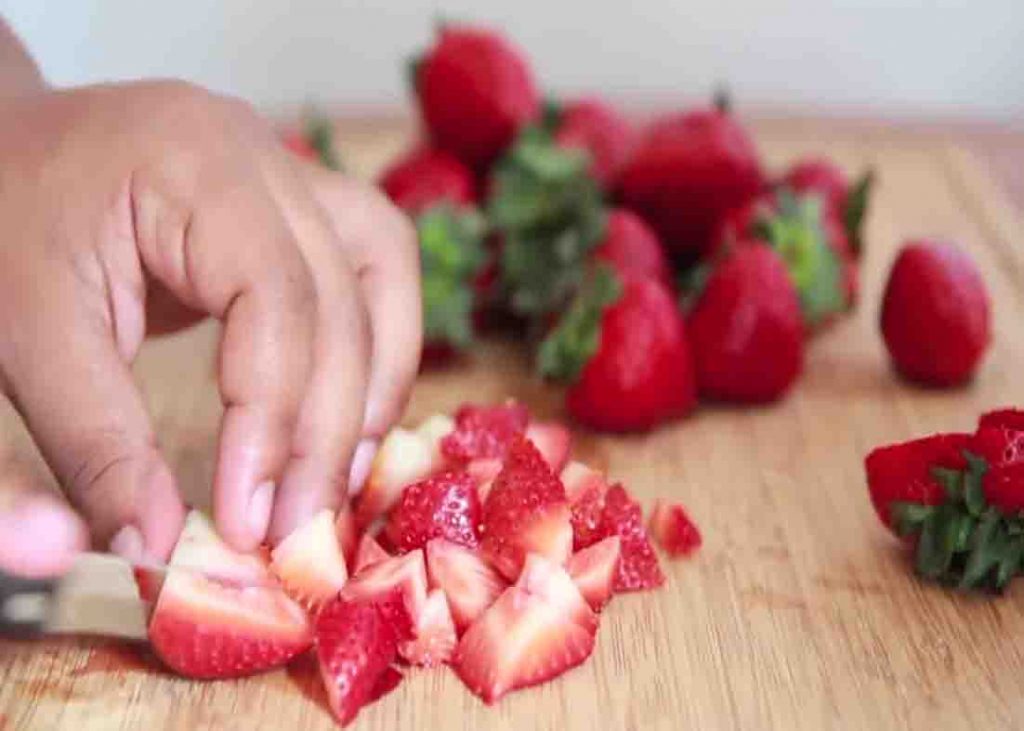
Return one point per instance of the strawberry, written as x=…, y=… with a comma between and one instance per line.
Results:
x=597, y=128
x=484, y=432
x=688, y=171
x=638, y=567
x=846, y=202
x=475, y=92
x=310, y=563
x=1012, y=419
x=746, y=329
x=632, y=248
x=998, y=445
x=469, y=583
x=935, y=314
x=314, y=142
x=483, y=471
x=1003, y=486
x=356, y=646
x=552, y=440
x=345, y=529
x=435, y=633
x=525, y=512
x=594, y=569
x=585, y=489
x=406, y=575
x=536, y=630
x=623, y=348
x=673, y=529
x=426, y=177
x=369, y=553
x=442, y=506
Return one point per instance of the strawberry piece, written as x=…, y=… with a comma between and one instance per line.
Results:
x=434, y=631
x=442, y=506
x=483, y=472
x=526, y=512
x=425, y=177
x=1003, y=418
x=200, y=547
x=406, y=573
x=673, y=529
x=348, y=536
x=536, y=630
x=585, y=489
x=638, y=568
x=355, y=647
x=484, y=432
x=369, y=553
x=309, y=562
x=552, y=440
x=469, y=583
x=1003, y=486
x=594, y=570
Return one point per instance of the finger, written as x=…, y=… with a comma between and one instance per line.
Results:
x=226, y=250
x=331, y=419
x=39, y=534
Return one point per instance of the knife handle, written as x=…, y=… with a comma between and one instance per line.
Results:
x=25, y=605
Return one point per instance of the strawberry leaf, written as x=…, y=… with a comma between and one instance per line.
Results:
x=855, y=209
x=937, y=542
x=952, y=481
x=974, y=495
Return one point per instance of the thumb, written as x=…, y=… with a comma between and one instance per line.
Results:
x=39, y=534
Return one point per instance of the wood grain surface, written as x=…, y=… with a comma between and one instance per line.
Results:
x=800, y=612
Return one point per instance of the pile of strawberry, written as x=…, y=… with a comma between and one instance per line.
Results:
x=650, y=268
x=959, y=499
x=475, y=543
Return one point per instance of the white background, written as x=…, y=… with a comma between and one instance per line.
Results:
x=898, y=57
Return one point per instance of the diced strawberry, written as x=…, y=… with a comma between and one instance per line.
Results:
x=406, y=573
x=673, y=529
x=470, y=584
x=577, y=477
x=309, y=562
x=1003, y=418
x=348, y=536
x=526, y=512
x=369, y=553
x=594, y=570
x=355, y=648
x=536, y=630
x=441, y=506
x=435, y=633
x=483, y=472
x=638, y=567
x=200, y=547
x=484, y=431
x=585, y=489
x=552, y=440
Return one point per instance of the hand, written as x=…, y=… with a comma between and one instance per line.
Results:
x=132, y=207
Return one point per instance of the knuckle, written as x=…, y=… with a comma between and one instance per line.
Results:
x=96, y=458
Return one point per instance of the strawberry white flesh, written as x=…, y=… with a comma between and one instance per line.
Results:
x=577, y=477
x=469, y=583
x=434, y=632
x=594, y=569
x=309, y=562
x=200, y=547
x=406, y=573
x=536, y=630
x=368, y=553
x=348, y=535
x=552, y=440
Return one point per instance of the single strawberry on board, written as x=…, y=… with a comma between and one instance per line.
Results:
x=673, y=529
x=935, y=314
x=623, y=349
x=846, y=201
x=425, y=177
x=476, y=91
x=746, y=329
x=599, y=129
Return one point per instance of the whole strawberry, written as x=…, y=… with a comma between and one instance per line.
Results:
x=687, y=172
x=935, y=314
x=847, y=202
x=623, y=347
x=631, y=248
x=746, y=329
x=425, y=177
x=475, y=91
x=597, y=128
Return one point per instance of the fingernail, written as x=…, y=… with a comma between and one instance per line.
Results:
x=128, y=544
x=362, y=458
x=260, y=506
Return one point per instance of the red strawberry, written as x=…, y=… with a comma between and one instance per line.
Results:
x=935, y=314
x=638, y=567
x=903, y=472
x=434, y=632
x=484, y=432
x=746, y=330
x=585, y=489
x=309, y=562
x=1004, y=418
x=355, y=647
x=536, y=630
x=845, y=202
x=442, y=506
x=623, y=347
x=424, y=177
x=1003, y=486
x=552, y=440
x=369, y=553
x=406, y=575
x=475, y=92
x=688, y=171
x=469, y=583
x=525, y=512
x=632, y=248
x=594, y=570
x=599, y=129
x=673, y=529
x=999, y=446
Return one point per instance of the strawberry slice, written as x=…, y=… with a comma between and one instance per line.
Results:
x=537, y=629
x=355, y=648
x=309, y=562
x=526, y=512
x=483, y=472
x=585, y=489
x=577, y=477
x=230, y=620
x=638, y=567
x=442, y=506
x=552, y=440
x=673, y=529
x=594, y=570
x=434, y=631
x=469, y=583
x=368, y=553
x=348, y=536
x=484, y=432
x=406, y=573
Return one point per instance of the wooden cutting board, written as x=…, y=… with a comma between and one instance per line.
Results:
x=799, y=611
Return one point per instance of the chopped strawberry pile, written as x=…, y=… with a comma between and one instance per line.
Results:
x=498, y=555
